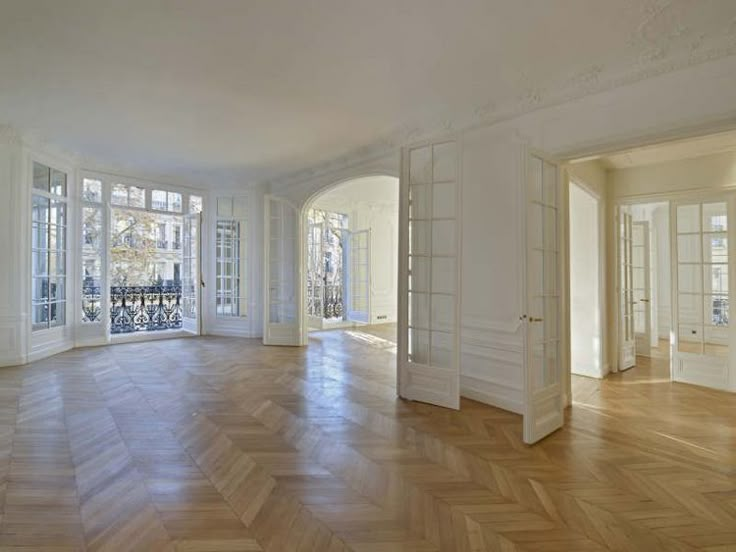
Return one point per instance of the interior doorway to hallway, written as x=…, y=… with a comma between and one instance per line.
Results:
x=351, y=256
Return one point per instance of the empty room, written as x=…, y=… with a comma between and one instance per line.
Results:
x=371, y=276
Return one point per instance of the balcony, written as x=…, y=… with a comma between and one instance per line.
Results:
x=136, y=308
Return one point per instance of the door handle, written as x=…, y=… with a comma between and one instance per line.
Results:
x=532, y=319
x=643, y=300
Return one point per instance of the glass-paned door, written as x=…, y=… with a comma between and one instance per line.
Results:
x=641, y=287
x=359, y=275
x=315, y=270
x=702, y=248
x=428, y=348
x=544, y=400
x=626, y=333
x=190, y=273
x=282, y=325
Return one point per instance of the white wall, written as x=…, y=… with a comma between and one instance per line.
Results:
x=373, y=203
x=585, y=315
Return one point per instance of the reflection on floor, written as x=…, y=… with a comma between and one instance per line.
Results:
x=224, y=444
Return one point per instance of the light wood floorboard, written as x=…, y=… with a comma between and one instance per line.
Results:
x=221, y=444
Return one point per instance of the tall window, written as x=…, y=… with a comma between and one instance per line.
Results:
x=92, y=249
x=230, y=245
x=48, y=247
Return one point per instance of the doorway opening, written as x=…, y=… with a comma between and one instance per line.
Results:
x=351, y=257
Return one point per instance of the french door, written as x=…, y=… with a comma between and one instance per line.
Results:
x=626, y=334
x=315, y=272
x=359, y=276
x=543, y=381
x=702, y=247
x=429, y=260
x=191, y=280
x=641, y=287
x=281, y=320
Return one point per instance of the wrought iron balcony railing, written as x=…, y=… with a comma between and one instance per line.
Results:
x=324, y=301
x=136, y=308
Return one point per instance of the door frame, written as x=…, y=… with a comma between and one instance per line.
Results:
x=303, y=223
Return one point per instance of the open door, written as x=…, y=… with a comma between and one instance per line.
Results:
x=641, y=278
x=702, y=244
x=543, y=382
x=191, y=280
x=315, y=274
x=281, y=321
x=625, y=252
x=429, y=261
x=359, y=276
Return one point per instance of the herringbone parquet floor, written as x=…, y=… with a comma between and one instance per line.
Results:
x=220, y=444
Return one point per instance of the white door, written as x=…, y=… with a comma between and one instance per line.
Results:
x=641, y=287
x=191, y=281
x=543, y=382
x=281, y=322
x=429, y=260
x=359, y=276
x=702, y=246
x=626, y=335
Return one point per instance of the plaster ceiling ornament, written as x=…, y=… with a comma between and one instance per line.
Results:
x=233, y=93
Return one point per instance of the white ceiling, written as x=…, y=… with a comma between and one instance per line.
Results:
x=671, y=151
x=245, y=90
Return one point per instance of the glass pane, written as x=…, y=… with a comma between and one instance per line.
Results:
x=41, y=177
x=443, y=312
x=91, y=227
x=688, y=278
x=119, y=195
x=419, y=202
x=92, y=190
x=419, y=238
x=442, y=349
x=688, y=218
x=715, y=217
x=57, y=214
x=40, y=236
x=195, y=204
x=40, y=315
x=420, y=166
x=419, y=274
x=40, y=289
x=444, y=162
x=443, y=275
x=58, y=183
x=224, y=206
x=690, y=309
x=40, y=210
x=715, y=308
x=57, y=314
x=40, y=263
x=418, y=346
x=715, y=248
x=419, y=310
x=159, y=200
x=443, y=237
x=136, y=197
x=174, y=202
x=443, y=200
x=715, y=278
x=688, y=248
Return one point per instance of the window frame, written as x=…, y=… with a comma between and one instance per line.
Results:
x=238, y=278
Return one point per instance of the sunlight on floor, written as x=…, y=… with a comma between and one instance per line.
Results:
x=372, y=340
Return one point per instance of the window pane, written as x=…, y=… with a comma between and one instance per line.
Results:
x=174, y=203
x=92, y=190
x=158, y=200
x=58, y=183
x=40, y=209
x=58, y=213
x=119, y=195
x=136, y=197
x=715, y=217
x=195, y=204
x=41, y=177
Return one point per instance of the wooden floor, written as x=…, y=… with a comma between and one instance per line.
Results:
x=220, y=444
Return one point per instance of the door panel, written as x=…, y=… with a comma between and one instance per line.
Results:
x=428, y=351
x=641, y=287
x=702, y=246
x=544, y=401
x=359, y=255
x=626, y=334
x=281, y=323
x=191, y=281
